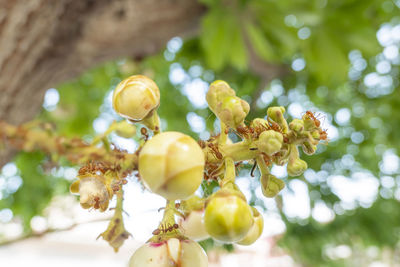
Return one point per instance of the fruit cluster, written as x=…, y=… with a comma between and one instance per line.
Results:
x=173, y=165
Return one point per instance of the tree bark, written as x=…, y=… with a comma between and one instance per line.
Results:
x=45, y=42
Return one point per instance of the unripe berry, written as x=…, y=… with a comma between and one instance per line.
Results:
x=125, y=129
x=173, y=252
x=193, y=226
x=229, y=108
x=136, y=97
x=255, y=231
x=228, y=218
x=276, y=114
x=297, y=126
x=296, y=167
x=270, y=185
x=171, y=164
x=270, y=142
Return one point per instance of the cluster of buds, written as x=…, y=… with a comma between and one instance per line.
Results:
x=229, y=108
x=173, y=165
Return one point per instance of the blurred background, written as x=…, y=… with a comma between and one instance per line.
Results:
x=338, y=58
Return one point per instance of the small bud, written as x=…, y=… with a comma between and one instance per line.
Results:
x=93, y=193
x=308, y=148
x=173, y=252
x=223, y=101
x=270, y=142
x=276, y=114
x=233, y=111
x=270, y=185
x=125, y=129
x=217, y=92
x=171, y=164
x=193, y=227
x=259, y=123
x=297, y=126
x=136, y=97
x=296, y=167
x=255, y=231
x=227, y=218
x=282, y=157
x=309, y=123
x=316, y=135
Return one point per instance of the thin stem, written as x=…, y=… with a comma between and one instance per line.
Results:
x=48, y=231
x=239, y=151
x=230, y=172
x=293, y=153
x=104, y=135
x=106, y=144
x=261, y=165
x=120, y=200
x=153, y=122
x=169, y=214
x=223, y=136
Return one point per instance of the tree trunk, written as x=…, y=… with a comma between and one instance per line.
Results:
x=45, y=42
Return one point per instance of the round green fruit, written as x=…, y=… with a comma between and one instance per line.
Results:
x=171, y=164
x=228, y=218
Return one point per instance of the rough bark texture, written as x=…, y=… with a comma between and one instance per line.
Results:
x=45, y=42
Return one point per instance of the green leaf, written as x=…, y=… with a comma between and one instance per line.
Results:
x=216, y=37
x=325, y=59
x=260, y=43
x=238, y=51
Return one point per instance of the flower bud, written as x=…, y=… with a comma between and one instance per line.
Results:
x=193, y=226
x=316, y=135
x=308, y=148
x=282, y=157
x=125, y=129
x=173, y=252
x=296, y=167
x=136, y=97
x=270, y=185
x=297, y=126
x=255, y=231
x=259, y=122
x=93, y=193
x=309, y=122
x=270, y=142
x=227, y=218
x=217, y=92
x=171, y=164
x=223, y=101
x=276, y=115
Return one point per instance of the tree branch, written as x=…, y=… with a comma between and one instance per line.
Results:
x=46, y=42
x=48, y=231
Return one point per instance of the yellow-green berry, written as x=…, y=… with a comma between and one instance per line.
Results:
x=171, y=164
x=228, y=218
x=169, y=253
x=255, y=231
x=136, y=97
x=296, y=167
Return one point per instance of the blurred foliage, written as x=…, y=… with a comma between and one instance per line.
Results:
x=336, y=45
